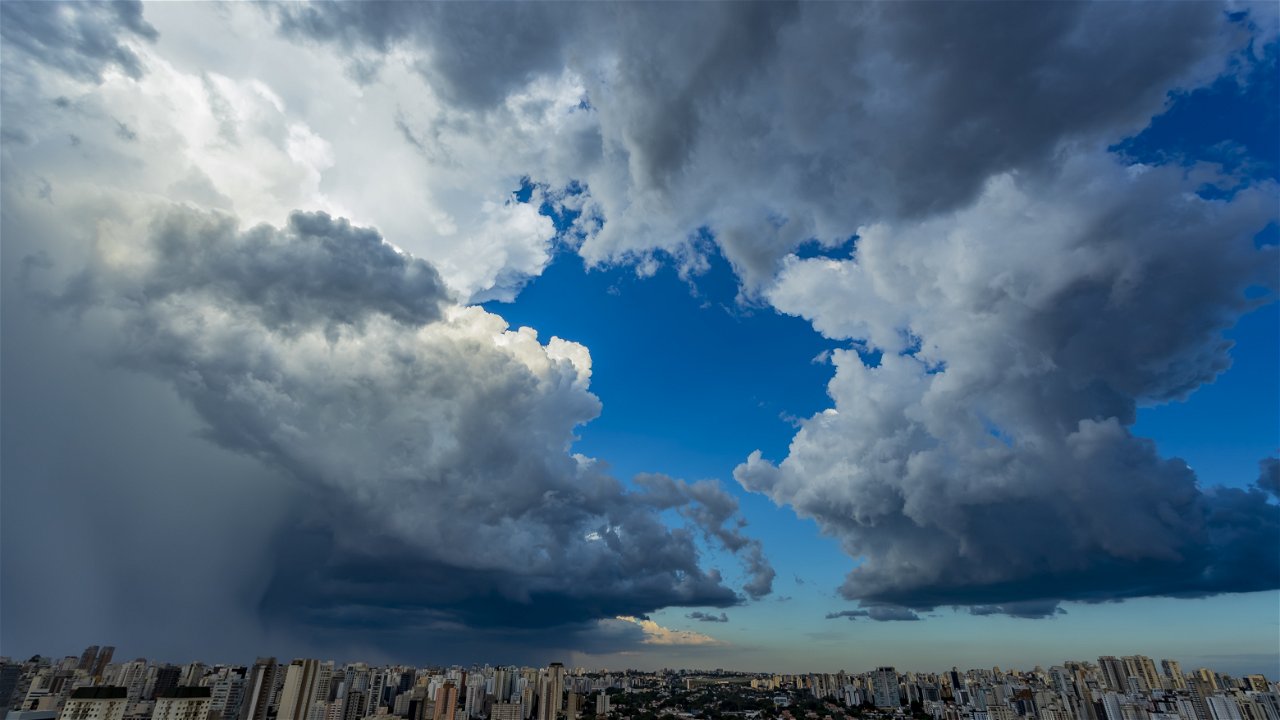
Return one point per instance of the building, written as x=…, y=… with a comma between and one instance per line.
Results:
x=299, y=693
x=104, y=702
x=506, y=711
x=166, y=680
x=551, y=692
x=183, y=703
x=103, y=660
x=259, y=686
x=885, y=687
x=1173, y=670
x=446, y=702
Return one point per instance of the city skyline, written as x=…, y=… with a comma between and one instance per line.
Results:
x=752, y=335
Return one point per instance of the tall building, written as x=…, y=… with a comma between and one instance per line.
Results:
x=103, y=660
x=86, y=659
x=446, y=701
x=602, y=704
x=165, y=681
x=183, y=703
x=885, y=687
x=10, y=676
x=103, y=702
x=1173, y=670
x=259, y=686
x=355, y=704
x=551, y=692
x=1113, y=673
x=299, y=692
x=227, y=696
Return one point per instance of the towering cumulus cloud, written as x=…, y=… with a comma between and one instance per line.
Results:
x=978, y=450
x=434, y=438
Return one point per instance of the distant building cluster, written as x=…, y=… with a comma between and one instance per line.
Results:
x=94, y=687
x=1124, y=688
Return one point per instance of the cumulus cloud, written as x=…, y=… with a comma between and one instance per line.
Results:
x=979, y=451
x=708, y=617
x=435, y=439
x=655, y=634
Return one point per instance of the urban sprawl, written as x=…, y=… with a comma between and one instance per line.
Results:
x=93, y=687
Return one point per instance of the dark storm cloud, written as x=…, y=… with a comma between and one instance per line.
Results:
x=771, y=123
x=81, y=39
x=708, y=617
x=430, y=444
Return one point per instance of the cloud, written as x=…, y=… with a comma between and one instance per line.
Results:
x=773, y=124
x=709, y=507
x=985, y=457
x=879, y=613
x=81, y=39
x=708, y=617
x=1269, y=475
x=655, y=634
x=1032, y=609
x=429, y=441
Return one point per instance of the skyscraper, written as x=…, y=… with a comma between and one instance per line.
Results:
x=166, y=680
x=551, y=692
x=104, y=659
x=86, y=659
x=300, y=682
x=446, y=701
x=1173, y=669
x=885, y=681
x=1114, y=673
x=258, y=688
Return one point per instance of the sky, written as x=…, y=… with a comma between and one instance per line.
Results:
x=763, y=336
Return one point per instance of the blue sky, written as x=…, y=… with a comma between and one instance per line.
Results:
x=980, y=348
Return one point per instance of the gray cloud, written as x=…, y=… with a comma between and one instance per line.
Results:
x=710, y=508
x=774, y=123
x=81, y=39
x=1032, y=609
x=879, y=613
x=429, y=441
x=986, y=458
x=1269, y=475
x=708, y=617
